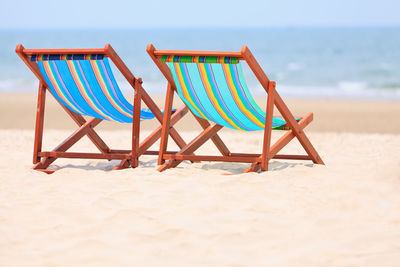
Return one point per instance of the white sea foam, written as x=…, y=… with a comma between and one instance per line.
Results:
x=344, y=89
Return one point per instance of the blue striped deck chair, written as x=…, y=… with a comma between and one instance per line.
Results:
x=82, y=82
x=212, y=85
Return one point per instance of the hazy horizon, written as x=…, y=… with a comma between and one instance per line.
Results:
x=208, y=28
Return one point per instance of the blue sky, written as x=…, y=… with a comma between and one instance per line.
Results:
x=78, y=14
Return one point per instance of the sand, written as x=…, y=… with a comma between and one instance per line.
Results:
x=330, y=115
x=346, y=213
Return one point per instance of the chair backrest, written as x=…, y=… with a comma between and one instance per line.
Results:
x=85, y=84
x=214, y=88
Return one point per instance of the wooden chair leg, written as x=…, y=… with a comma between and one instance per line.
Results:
x=136, y=123
x=45, y=171
x=122, y=165
x=267, y=131
x=37, y=147
x=167, y=165
x=253, y=168
x=166, y=124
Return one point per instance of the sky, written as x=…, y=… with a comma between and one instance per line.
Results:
x=100, y=14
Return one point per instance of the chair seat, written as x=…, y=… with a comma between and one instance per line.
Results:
x=219, y=93
x=87, y=86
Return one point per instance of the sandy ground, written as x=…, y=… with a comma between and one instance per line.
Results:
x=357, y=116
x=346, y=213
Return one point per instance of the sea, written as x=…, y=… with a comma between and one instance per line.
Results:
x=361, y=63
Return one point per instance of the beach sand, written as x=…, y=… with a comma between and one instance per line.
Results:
x=346, y=213
x=337, y=115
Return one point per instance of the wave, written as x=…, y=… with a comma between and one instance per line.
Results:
x=343, y=89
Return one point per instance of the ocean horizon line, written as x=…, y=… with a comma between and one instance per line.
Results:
x=213, y=28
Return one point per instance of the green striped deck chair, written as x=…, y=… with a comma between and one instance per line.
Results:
x=212, y=85
x=82, y=82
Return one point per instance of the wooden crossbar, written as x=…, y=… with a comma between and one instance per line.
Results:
x=64, y=51
x=82, y=155
x=160, y=53
x=232, y=158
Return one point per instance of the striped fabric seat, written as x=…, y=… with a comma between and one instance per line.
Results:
x=86, y=85
x=214, y=88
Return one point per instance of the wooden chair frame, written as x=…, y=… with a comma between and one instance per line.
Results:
x=258, y=161
x=129, y=158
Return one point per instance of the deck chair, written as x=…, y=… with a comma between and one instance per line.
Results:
x=82, y=82
x=212, y=85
